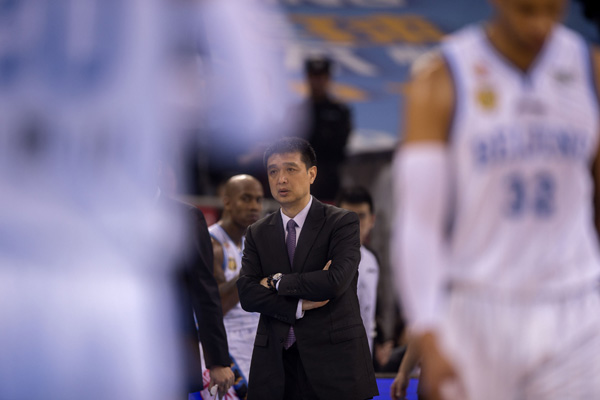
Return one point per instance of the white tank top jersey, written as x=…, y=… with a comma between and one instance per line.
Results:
x=522, y=146
x=236, y=318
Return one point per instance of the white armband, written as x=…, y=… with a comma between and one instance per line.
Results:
x=419, y=248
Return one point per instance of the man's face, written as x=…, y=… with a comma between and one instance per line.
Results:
x=289, y=178
x=529, y=22
x=318, y=85
x=245, y=204
x=366, y=218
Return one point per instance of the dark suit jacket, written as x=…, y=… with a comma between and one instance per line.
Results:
x=198, y=293
x=331, y=340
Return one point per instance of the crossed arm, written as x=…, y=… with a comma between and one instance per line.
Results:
x=315, y=288
x=326, y=284
x=306, y=304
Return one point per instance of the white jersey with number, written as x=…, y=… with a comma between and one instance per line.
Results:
x=522, y=147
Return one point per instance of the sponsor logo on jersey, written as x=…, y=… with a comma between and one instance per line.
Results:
x=231, y=264
x=487, y=98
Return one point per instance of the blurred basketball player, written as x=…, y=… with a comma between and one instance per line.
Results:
x=499, y=259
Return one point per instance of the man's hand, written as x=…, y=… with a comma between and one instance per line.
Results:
x=221, y=376
x=264, y=282
x=326, y=267
x=439, y=376
x=399, y=386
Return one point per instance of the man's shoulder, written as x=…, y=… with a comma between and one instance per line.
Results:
x=332, y=212
x=329, y=208
x=265, y=221
x=216, y=232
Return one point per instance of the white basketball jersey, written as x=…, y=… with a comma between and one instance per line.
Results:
x=236, y=318
x=522, y=147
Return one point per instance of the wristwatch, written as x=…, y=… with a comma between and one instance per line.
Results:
x=274, y=279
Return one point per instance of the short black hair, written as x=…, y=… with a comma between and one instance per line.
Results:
x=292, y=145
x=354, y=195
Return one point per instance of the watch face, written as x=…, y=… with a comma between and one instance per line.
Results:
x=277, y=276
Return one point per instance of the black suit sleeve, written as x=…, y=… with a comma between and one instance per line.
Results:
x=204, y=293
x=253, y=296
x=344, y=251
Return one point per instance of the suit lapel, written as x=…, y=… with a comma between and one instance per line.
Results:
x=312, y=225
x=276, y=239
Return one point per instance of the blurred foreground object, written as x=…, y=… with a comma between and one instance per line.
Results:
x=92, y=101
x=495, y=245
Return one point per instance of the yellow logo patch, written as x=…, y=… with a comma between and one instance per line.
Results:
x=487, y=98
x=231, y=264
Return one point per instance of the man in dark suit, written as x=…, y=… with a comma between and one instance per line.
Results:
x=299, y=271
x=199, y=296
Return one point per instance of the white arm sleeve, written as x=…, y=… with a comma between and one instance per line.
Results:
x=419, y=248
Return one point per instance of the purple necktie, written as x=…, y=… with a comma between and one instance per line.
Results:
x=290, y=243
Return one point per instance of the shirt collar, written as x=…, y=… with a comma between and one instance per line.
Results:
x=299, y=218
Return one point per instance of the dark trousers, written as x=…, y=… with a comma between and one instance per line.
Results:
x=297, y=386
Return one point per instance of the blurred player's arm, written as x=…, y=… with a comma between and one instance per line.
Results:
x=430, y=103
x=596, y=166
x=227, y=289
x=422, y=172
x=402, y=379
x=421, y=168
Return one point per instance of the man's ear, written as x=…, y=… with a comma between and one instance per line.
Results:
x=226, y=201
x=312, y=173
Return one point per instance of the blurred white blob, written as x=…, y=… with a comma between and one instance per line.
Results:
x=86, y=301
x=246, y=79
x=90, y=104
